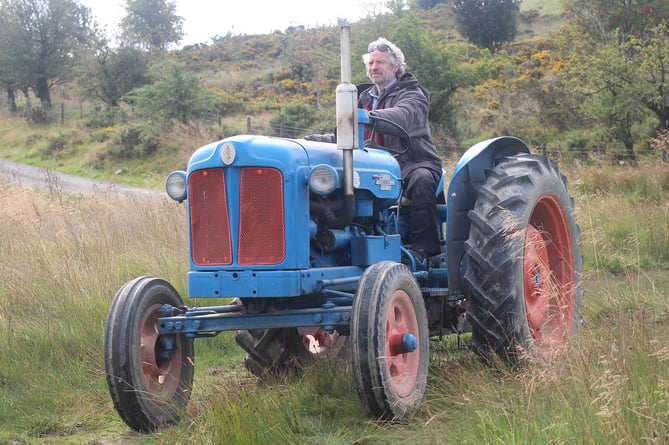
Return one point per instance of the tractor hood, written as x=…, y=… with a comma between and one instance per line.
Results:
x=375, y=171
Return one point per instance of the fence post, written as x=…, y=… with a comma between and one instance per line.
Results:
x=249, y=129
x=62, y=113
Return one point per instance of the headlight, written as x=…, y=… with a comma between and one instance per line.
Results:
x=323, y=179
x=175, y=185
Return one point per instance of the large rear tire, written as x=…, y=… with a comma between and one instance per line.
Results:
x=150, y=376
x=273, y=353
x=281, y=352
x=522, y=262
x=389, y=342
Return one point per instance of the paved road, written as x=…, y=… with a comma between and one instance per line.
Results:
x=47, y=180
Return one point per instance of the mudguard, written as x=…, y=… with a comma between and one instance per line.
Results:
x=469, y=173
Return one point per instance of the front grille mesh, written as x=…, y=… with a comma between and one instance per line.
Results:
x=209, y=219
x=261, y=219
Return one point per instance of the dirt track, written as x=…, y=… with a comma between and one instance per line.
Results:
x=50, y=181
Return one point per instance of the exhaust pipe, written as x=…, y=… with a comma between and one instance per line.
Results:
x=347, y=122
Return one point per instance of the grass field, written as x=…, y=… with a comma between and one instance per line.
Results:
x=546, y=7
x=63, y=258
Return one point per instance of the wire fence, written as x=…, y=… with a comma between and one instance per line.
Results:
x=601, y=154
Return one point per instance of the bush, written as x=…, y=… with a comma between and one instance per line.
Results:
x=56, y=143
x=134, y=141
x=294, y=119
x=38, y=116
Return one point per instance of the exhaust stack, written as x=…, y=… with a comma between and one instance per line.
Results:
x=347, y=114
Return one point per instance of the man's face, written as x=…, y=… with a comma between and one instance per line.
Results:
x=379, y=69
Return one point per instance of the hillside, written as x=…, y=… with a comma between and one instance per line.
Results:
x=253, y=78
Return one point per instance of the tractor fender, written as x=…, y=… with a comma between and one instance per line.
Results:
x=469, y=173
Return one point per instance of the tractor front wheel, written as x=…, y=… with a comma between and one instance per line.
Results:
x=150, y=376
x=389, y=342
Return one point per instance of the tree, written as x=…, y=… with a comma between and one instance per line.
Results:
x=10, y=78
x=598, y=20
x=487, y=23
x=629, y=80
x=652, y=62
x=151, y=25
x=619, y=49
x=114, y=72
x=174, y=95
x=293, y=120
x=429, y=4
x=41, y=42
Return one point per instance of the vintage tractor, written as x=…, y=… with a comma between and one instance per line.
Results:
x=305, y=244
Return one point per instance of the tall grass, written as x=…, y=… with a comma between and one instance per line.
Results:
x=63, y=258
x=624, y=214
x=61, y=261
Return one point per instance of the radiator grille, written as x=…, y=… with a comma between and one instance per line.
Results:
x=209, y=219
x=261, y=219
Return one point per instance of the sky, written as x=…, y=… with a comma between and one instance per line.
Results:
x=204, y=19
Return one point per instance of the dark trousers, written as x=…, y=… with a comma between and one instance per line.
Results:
x=421, y=190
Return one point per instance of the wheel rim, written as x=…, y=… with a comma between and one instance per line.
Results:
x=403, y=367
x=161, y=379
x=548, y=275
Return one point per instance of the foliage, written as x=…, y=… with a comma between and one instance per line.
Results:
x=41, y=42
x=38, y=116
x=601, y=20
x=293, y=120
x=226, y=104
x=134, y=141
x=661, y=143
x=487, y=23
x=623, y=70
x=174, y=95
x=651, y=56
x=309, y=62
x=114, y=72
x=152, y=25
x=429, y=4
x=528, y=92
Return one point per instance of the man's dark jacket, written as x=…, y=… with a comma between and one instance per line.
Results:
x=407, y=104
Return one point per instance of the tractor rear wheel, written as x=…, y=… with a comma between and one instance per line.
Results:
x=522, y=261
x=150, y=376
x=389, y=341
x=272, y=353
x=279, y=353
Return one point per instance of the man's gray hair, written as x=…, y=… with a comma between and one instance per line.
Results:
x=396, y=54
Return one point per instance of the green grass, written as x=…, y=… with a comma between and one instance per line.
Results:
x=77, y=150
x=64, y=258
x=624, y=216
x=545, y=7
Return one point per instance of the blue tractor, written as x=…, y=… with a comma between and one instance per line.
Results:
x=305, y=245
